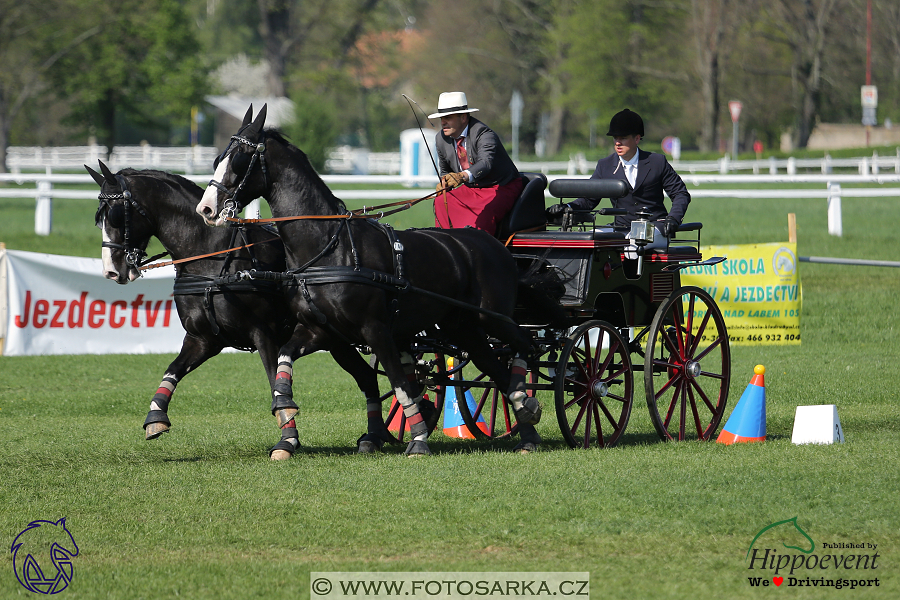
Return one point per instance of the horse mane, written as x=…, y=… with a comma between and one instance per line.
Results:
x=172, y=179
x=305, y=166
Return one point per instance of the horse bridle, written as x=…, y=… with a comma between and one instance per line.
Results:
x=230, y=206
x=134, y=256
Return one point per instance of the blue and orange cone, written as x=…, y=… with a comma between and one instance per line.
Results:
x=454, y=426
x=747, y=422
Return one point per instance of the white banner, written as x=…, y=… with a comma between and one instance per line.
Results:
x=64, y=305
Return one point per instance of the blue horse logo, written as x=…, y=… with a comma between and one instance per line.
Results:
x=36, y=548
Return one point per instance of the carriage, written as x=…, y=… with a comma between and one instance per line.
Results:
x=629, y=316
x=415, y=298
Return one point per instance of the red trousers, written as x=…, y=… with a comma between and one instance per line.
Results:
x=482, y=208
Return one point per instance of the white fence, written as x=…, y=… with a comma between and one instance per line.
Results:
x=415, y=187
x=347, y=160
x=183, y=159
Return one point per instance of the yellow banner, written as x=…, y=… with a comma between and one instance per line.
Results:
x=757, y=288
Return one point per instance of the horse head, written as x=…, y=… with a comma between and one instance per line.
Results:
x=41, y=544
x=124, y=224
x=240, y=172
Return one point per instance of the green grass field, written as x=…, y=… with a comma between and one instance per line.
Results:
x=203, y=513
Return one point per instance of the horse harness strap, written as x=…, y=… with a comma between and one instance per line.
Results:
x=195, y=285
x=313, y=276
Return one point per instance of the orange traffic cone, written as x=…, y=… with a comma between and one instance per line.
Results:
x=747, y=422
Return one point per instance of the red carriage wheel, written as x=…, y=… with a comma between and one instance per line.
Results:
x=687, y=366
x=594, y=386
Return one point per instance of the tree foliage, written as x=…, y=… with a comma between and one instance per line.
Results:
x=792, y=63
x=147, y=67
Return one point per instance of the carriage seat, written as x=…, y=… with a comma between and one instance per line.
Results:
x=528, y=210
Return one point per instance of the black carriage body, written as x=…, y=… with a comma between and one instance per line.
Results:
x=600, y=282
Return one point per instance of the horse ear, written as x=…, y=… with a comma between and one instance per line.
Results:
x=95, y=175
x=248, y=117
x=260, y=120
x=110, y=178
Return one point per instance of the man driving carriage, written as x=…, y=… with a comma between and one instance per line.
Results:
x=647, y=174
x=479, y=182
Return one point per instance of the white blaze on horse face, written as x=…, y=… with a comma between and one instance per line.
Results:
x=109, y=269
x=210, y=201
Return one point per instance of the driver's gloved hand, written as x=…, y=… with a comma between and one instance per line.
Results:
x=556, y=210
x=670, y=226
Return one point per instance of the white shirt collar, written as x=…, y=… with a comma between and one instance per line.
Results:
x=634, y=159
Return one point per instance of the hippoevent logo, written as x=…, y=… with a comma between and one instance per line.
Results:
x=771, y=558
x=42, y=556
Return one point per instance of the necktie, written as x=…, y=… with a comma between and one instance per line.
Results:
x=461, y=153
x=631, y=173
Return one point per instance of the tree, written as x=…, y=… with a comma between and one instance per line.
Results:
x=145, y=67
x=806, y=27
x=626, y=54
x=34, y=37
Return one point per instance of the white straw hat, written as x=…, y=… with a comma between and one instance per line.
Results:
x=451, y=103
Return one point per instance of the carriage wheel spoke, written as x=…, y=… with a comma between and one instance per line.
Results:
x=708, y=349
x=672, y=403
x=700, y=330
x=694, y=411
x=704, y=397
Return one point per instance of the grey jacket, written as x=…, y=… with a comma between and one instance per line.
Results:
x=489, y=163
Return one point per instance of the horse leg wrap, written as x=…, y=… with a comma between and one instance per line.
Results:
x=288, y=443
x=283, y=406
x=157, y=422
x=418, y=430
x=527, y=409
x=377, y=433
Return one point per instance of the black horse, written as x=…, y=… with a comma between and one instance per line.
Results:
x=215, y=309
x=358, y=280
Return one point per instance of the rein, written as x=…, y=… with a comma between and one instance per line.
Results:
x=359, y=213
x=201, y=256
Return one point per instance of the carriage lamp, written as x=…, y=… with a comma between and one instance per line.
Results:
x=642, y=229
x=641, y=234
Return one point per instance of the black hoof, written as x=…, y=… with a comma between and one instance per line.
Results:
x=525, y=447
x=417, y=448
x=277, y=452
x=369, y=443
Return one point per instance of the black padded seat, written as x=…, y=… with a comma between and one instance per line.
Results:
x=528, y=210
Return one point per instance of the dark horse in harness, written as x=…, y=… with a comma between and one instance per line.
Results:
x=358, y=280
x=216, y=309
